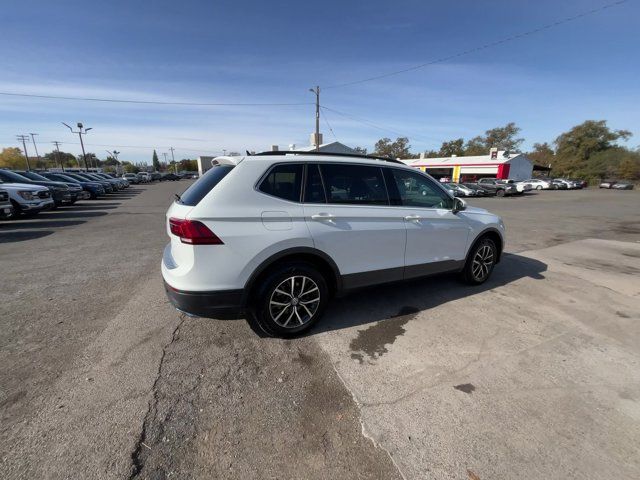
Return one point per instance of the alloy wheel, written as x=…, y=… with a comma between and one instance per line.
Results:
x=482, y=262
x=294, y=301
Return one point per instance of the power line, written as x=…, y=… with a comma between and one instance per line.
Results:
x=483, y=47
x=378, y=126
x=150, y=102
x=326, y=120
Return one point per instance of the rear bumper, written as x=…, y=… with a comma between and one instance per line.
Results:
x=222, y=304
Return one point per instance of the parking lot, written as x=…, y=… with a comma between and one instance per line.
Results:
x=534, y=374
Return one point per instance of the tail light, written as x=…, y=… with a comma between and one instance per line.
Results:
x=193, y=232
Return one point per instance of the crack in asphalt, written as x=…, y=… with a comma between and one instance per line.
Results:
x=137, y=463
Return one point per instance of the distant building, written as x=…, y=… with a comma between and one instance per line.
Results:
x=497, y=164
x=333, y=147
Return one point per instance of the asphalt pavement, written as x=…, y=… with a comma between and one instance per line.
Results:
x=533, y=374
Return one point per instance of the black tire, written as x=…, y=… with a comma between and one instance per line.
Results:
x=271, y=307
x=475, y=274
x=539, y=187
x=500, y=193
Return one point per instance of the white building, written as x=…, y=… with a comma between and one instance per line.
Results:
x=497, y=164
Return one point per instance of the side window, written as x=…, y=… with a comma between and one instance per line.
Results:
x=313, y=190
x=354, y=184
x=416, y=190
x=284, y=181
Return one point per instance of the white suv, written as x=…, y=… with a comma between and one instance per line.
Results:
x=275, y=235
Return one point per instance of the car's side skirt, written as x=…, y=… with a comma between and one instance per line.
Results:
x=376, y=277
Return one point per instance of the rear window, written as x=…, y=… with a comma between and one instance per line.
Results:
x=204, y=185
x=284, y=181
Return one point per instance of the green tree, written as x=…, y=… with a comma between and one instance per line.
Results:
x=67, y=159
x=502, y=138
x=575, y=147
x=452, y=147
x=12, y=157
x=156, y=162
x=129, y=167
x=398, y=149
x=542, y=154
x=360, y=150
x=629, y=168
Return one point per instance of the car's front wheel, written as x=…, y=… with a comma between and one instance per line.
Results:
x=539, y=187
x=291, y=299
x=480, y=262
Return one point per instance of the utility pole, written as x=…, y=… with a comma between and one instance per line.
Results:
x=164, y=154
x=33, y=139
x=57, y=144
x=173, y=159
x=25, y=139
x=316, y=138
x=80, y=133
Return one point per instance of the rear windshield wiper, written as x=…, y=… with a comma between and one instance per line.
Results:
x=177, y=197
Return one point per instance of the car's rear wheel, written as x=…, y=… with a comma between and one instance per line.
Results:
x=480, y=262
x=539, y=187
x=292, y=298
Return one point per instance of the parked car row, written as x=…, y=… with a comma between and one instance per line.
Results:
x=27, y=192
x=486, y=187
x=146, y=177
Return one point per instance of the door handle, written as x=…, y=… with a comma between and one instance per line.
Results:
x=413, y=218
x=322, y=216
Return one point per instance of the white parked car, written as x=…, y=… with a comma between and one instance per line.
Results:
x=276, y=235
x=539, y=184
x=144, y=177
x=28, y=199
x=524, y=186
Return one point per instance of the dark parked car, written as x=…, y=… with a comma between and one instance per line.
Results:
x=6, y=208
x=94, y=189
x=76, y=191
x=498, y=187
x=480, y=192
x=169, y=176
x=108, y=187
x=121, y=182
x=59, y=191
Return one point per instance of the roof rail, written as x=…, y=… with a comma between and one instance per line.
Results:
x=325, y=154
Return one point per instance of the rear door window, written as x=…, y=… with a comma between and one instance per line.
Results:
x=354, y=184
x=284, y=181
x=204, y=185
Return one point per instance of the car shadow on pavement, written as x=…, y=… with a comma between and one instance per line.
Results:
x=10, y=237
x=41, y=222
x=58, y=214
x=412, y=297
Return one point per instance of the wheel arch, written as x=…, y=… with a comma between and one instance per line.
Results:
x=494, y=235
x=319, y=259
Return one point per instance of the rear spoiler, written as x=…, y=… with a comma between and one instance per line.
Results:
x=226, y=161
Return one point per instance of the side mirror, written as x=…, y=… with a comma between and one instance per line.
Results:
x=458, y=205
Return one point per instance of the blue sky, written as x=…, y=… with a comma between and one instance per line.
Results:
x=273, y=51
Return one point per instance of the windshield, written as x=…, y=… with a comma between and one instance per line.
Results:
x=35, y=176
x=14, y=177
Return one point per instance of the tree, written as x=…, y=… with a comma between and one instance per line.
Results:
x=629, y=168
x=398, y=149
x=542, y=154
x=502, y=138
x=54, y=159
x=129, y=167
x=452, y=147
x=156, y=162
x=12, y=157
x=575, y=147
x=360, y=150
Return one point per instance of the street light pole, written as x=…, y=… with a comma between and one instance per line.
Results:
x=25, y=139
x=80, y=133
